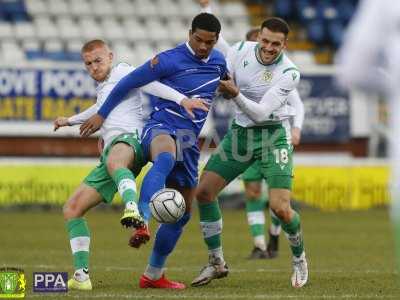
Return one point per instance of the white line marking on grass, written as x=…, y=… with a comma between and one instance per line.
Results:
x=231, y=296
x=260, y=270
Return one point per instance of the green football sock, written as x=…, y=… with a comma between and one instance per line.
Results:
x=211, y=225
x=256, y=220
x=275, y=228
x=294, y=235
x=79, y=237
x=125, y=181
x=255, y=216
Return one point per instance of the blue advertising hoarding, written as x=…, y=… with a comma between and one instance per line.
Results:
x=43, y=95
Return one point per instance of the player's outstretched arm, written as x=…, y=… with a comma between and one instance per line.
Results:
x=274, y=98
x=148, y=72
x=60, y=122
x=75, y=119
x=295, y=101
x=167, y=93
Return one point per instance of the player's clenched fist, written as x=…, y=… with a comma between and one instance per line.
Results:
x=61, y=122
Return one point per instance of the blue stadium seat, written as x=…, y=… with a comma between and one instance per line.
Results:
x=335, y=30
x=14, y=10
x=34, y=54
x=316, y=32
x=284, y=8
x=55, y=55
x=306, y=10
x=74, y=56
x=346, y=10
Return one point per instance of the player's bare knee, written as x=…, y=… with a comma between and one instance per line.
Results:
x=283, y=213
x=204, y=195
x=71, y=210
x=253, y=194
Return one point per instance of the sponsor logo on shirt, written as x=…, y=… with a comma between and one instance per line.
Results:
x=267, y=76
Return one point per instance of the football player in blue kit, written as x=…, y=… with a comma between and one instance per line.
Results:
x=169, y=137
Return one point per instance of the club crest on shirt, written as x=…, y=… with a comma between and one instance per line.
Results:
x=267, y=76
x=154, y=61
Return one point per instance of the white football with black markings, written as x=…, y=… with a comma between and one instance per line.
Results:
x=167, y=206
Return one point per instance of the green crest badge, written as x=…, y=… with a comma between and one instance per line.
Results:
x=12, y=283
x=267, y=76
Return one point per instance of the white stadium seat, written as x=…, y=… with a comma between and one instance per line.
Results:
x=31, y=45
x=90, y=29
x=146, y=9
x=134, y=31
x=45, y=29
x=112, y=30
x=53, y=45
x=124, y=8
x=68, y=28
x=123, y=53
x=24, y=30
x=74, y=45
x=156, y=30
x=36, y=7
x=80, y=8
x=167, y=8
x=233, y=10
x=139, y=28
x=58, y=7
x=12, y=52
x=144, y=52
x=178, y=31
x=6, y=31
x=102, y=8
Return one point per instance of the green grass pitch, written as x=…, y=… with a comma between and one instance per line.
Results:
x=351, y=256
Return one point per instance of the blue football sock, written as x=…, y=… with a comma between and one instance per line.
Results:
x=166, y=238
x=155, y=181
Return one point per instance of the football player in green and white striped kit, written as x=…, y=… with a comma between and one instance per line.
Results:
x=263, y=77
x=121, y=159
x=253, y=176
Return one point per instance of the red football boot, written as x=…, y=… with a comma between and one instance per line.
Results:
x=141, y=236
x=162, y=283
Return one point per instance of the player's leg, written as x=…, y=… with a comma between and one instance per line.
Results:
x=183, y=178
x=162, y=151
x=84, y=198
x=223, y=166
x=165, y=241
x=274, y=232
x=277, y=166
x=119, y=163
x=255, y=206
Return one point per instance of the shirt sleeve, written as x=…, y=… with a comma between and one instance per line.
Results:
x=273, y=99
x=158, y=67
x=83, y=116
x=295, y=101
x=163, y=91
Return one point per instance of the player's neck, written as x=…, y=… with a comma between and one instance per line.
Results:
x=277, y=59
x=194, y=54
